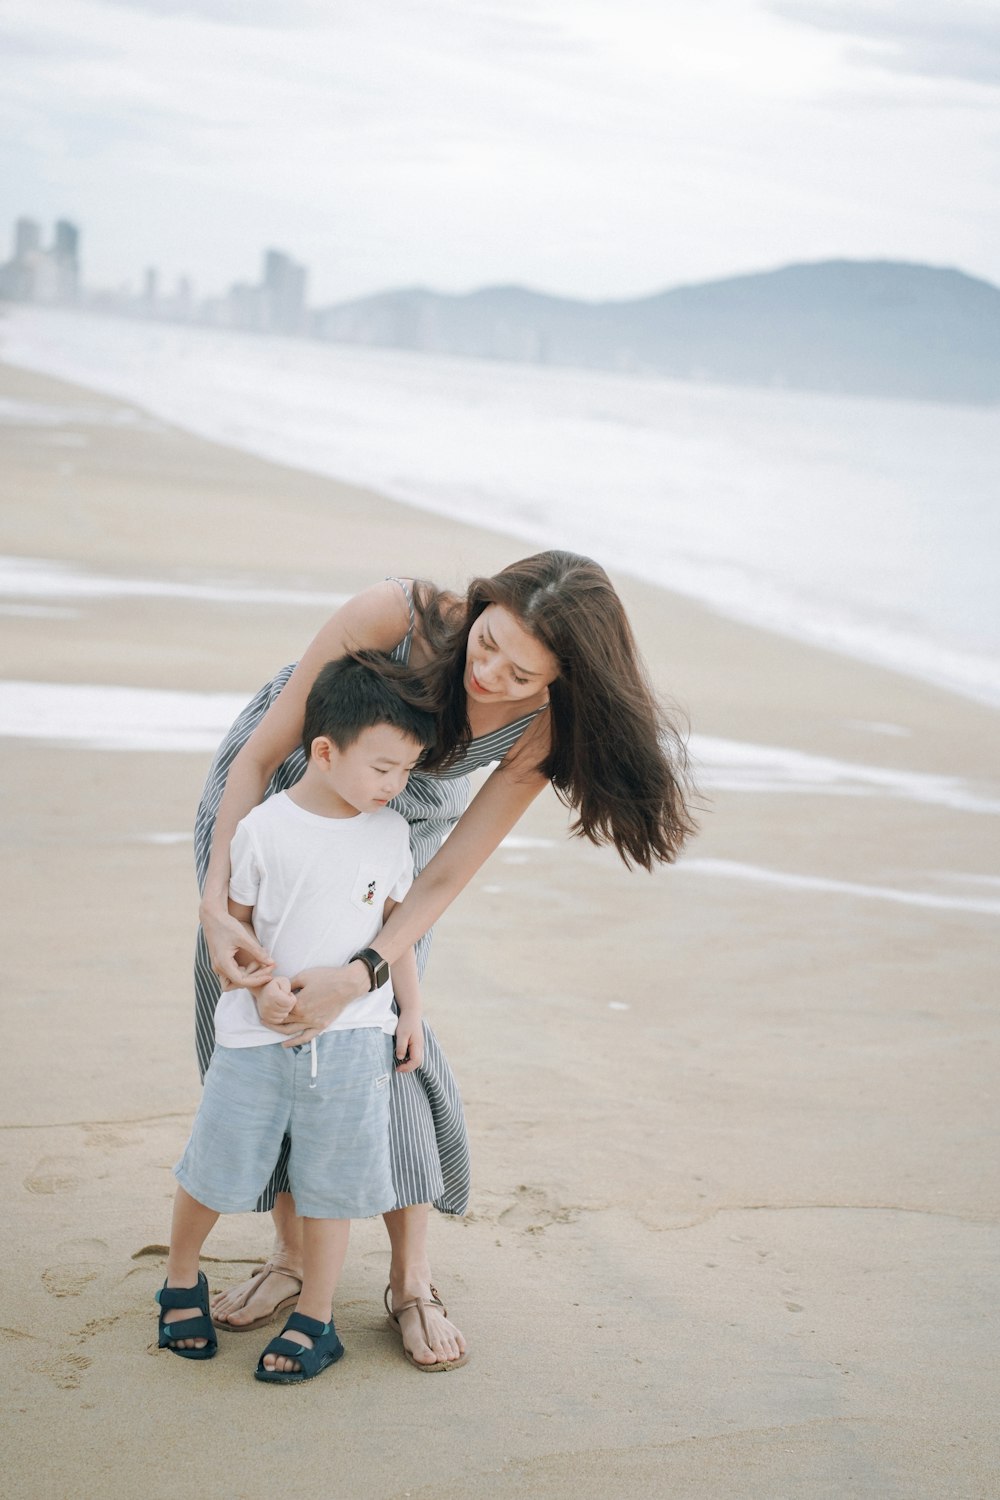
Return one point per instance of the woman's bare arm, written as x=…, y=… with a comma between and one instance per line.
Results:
x=492, y=813
x=490, y=816
x=375, y=620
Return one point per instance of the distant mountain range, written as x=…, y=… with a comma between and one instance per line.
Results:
x=866, y=328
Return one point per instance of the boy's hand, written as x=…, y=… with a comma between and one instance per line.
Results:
x=274, y=1001
x=409, y=1040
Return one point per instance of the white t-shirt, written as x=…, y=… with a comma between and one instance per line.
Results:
x=317, y=887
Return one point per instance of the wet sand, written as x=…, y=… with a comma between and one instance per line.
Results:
x=734, y=1225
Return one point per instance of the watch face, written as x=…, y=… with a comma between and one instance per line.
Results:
x=378, y=967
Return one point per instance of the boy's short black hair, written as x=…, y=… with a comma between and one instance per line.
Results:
x=350, y=696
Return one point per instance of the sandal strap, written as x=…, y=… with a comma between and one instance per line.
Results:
x=287, y=1346
x=310, y=1361
x=421, y=1302
x=184, y=1296
x=260, y=1276
x=311, y=1327
x=188, y=1328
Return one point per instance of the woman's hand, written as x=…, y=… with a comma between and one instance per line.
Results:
x=225, y=937
x=320, y=996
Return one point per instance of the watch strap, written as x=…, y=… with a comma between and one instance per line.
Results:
x=378, y=968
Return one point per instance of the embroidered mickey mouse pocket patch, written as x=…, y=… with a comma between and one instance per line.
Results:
x=365, y=892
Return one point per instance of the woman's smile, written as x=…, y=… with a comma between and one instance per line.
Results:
x=504, y=661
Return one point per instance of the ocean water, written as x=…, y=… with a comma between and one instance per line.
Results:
x=162, y=721
x=169, y=720
x=870, y=527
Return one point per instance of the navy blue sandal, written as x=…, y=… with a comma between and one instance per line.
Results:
x=326, y=1350
x=191, y=1328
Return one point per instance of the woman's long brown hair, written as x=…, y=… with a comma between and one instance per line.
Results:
x=615, y=758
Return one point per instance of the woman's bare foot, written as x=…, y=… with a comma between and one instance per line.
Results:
x=429, y=1336
x=257, y=1300
x=430, y=1340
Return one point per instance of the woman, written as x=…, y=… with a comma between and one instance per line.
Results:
x=535, y=668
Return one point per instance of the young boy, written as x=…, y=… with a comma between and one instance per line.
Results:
x=317, y=870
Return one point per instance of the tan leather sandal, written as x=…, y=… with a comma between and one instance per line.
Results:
x=420, y=1303
x=257, y=1279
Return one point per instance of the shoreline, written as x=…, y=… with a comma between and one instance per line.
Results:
x=727, y=1135
x=747, y=646
x=772, y=600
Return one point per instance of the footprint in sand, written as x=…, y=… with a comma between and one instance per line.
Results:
x=105, y=1139
x=68, y=1280
x=53, y=1174
x=15, y=1335
x=532, y=1212
x=95, y=1326
x=65, y=1370
x=89, y=1249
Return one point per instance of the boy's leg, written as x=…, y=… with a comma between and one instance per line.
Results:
x=192, y=1223
x=248, y=1302
x=339, y=1162
x=324, y=1250
x=237, y=1135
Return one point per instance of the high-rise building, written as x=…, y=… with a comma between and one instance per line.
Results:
x=51, y=275
x=67, y=240
x=19, y=276
x=65, y=255
x=27, y=238
x=36, y=275
x=284, y=293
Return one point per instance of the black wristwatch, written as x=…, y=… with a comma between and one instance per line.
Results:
x=378, y=969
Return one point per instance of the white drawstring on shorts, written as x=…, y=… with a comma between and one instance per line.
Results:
x=312, y=1063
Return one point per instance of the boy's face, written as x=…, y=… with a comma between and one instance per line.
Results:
x=372, y=771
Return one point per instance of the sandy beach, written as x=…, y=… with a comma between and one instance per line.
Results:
x=734, y=1222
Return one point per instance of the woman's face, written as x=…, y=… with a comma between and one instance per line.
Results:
x=503, y=663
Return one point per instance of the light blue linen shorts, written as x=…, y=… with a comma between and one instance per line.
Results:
x=339, y=1127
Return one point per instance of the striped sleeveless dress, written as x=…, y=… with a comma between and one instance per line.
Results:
x=428, y=1140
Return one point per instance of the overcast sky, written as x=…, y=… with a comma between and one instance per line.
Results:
x=597, y=148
